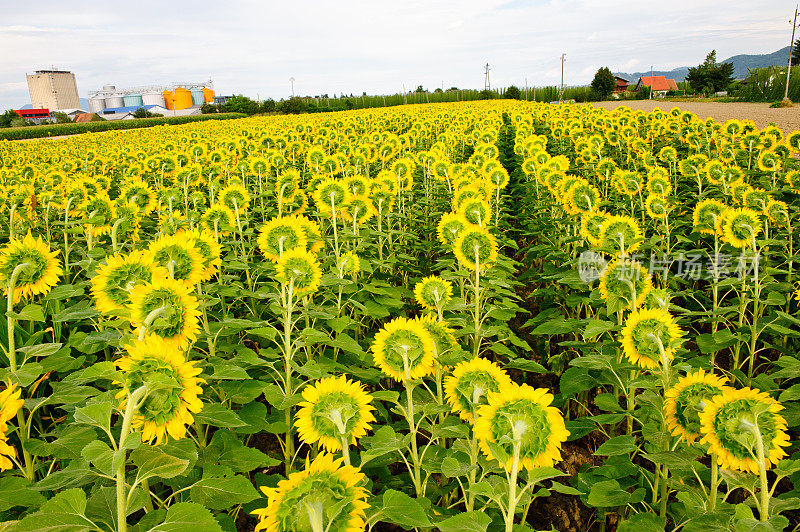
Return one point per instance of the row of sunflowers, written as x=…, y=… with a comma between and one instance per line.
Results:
x=442, y=317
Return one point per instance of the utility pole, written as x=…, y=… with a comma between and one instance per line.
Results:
x=405, y=99
x=789, y=67
x=291, y=80
x=561, y=89
x=487, y=85
x=526, y=89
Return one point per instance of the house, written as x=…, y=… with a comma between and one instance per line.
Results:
x=622, y=85
x=37, y=116
x=660, y=85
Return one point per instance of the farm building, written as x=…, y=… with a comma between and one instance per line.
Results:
x=156, y=109
x=37, y=116
x=622, y=85
x=660, y=85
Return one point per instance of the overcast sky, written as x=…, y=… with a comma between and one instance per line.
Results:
x=253, y=47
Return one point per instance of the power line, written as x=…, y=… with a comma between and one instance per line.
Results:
x=487, y=85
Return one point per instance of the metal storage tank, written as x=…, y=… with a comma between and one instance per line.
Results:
x=97, y=104
x=154, y=98
x=198, y=98
x=169, y=100
x=133, y=99
x=109, y=88
x=183, y=98
x=208, y=95
x=115, y=100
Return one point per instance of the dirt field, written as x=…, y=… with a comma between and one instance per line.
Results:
x=760, y=113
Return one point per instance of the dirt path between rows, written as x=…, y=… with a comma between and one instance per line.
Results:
x=787, y=119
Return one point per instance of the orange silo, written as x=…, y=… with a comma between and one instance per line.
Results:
x=183, y=98
x=208, y=95
x=169, y=100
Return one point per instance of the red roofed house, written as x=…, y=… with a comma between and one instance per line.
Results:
x=36, y=116
x=658, y=84
x=622, y=85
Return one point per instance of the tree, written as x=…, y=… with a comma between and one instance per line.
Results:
x=512, y=93
x=208, y=108
x=294, y=105
x=486, y=94
x=710, y=76
x=796, y=53
x=141, y=112
x=61, y=118
x=7, y=117
x=242, y=104
x=268, y=106
x=420, y=89
x=604, y=83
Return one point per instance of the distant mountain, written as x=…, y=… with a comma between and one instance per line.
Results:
x=741, y=64
x=84, y=102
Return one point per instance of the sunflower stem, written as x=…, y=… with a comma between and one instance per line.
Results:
x=763, y=510
x=287, y=359
x=712, y=492
x=148, y=321
x=512, y=481
x=114, y=230
x=12, y=322
x=127, y=419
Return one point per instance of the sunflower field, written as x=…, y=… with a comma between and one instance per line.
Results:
x=482, y=316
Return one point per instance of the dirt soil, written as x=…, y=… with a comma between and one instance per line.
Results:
x=787, y=119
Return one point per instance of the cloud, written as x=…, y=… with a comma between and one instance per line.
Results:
x=253, y=47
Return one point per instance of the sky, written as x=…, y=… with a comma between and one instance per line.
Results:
x=254, y=47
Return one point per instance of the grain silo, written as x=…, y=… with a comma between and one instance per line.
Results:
x=114, y=100
x=183, y=98
x=133, y=99
x=153, y=98
x=198, y=98
x=208, y=95
x=169, y=100
x=96, y=103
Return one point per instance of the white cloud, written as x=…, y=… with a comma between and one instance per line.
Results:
x=253, y=47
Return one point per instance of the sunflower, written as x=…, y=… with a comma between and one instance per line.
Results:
x=450, y=226
x=685, y=401
x=219, y=219
x=38, y=268
x=740, y=227
x=314, y=241
x=657, y=298
x=139, y=193
x=333, y=409
x=521, y=415
x=647, y=333
x=170, y=308
x=210, y=251
x=300, y=268
x=326, y=495
x=180, y=257
x=620, y=234
x=707, y=216
x=476, y=211
x=100, y=212
x=728, y=424
x=777, y=212
x=591, y=222
x=470, y=385
x=475, y=247
x=623, y=279
x=10, y=403
x=441, y=334
x=280, y=235
x=403, y=349
x=348, y=264
x=656, y=206
x=357, y=209
x=235, y=197
x=174, y=384
x=330, y=194
x=114, y=281
x=433, y=292
x=127, y=221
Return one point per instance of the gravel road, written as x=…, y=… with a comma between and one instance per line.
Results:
x=787, y=119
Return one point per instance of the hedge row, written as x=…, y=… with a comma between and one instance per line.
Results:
x=55, y=130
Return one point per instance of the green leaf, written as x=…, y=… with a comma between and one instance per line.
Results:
x=30, y=312
x=453, y=468
x=152, y=462
x=102, y=457
x=78, y=312
x=400, y=509
x=607, y=493
x=77, y=473
x=526, y=365
x=384, y=441
x=64, y=512
x=616, y=446
x=222, y=493
x=595, y=328
x=217, y=415
x=97, y=414
x=39, y=350
x=466, y=522
x=185, y=516
x=543, y=473
x=576, y=380
x=17, y=491
x=70, y=443
x=226, y=371
x=643, y=522
x=556, y=326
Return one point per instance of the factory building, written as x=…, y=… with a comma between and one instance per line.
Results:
x=175, y=97
x=53, y=89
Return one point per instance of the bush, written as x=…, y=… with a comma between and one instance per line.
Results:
x=512, y=93
x=208, y=108
x=55, y=130
x=486, y=94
